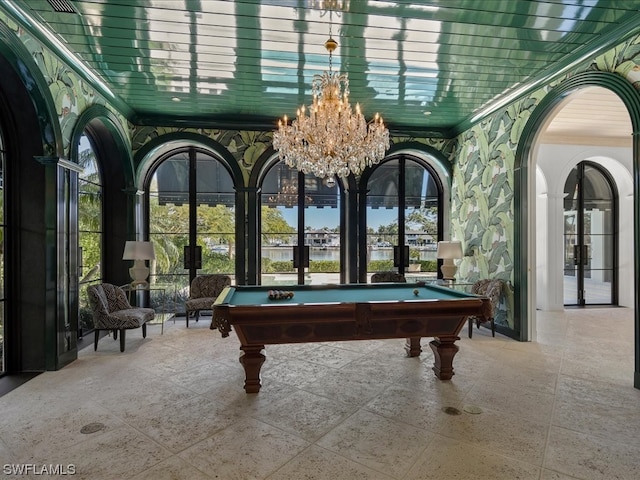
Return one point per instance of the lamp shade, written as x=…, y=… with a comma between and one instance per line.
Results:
x=449, y=250
x=134, y=250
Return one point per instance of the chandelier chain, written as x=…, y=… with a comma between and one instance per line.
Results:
x=333, y=140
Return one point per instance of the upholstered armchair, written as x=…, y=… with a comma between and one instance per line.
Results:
x=204, y=291
x=112, y=311
x=492, y=289
x=380, y=277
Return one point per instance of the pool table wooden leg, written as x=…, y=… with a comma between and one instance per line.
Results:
x=413, y=347
x=252, y=360
x=444, y=349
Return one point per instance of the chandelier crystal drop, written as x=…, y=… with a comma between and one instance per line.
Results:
x=332, y=139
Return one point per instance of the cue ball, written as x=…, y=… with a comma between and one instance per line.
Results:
x=416, y=292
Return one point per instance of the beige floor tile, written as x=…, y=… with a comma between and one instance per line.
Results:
x=180, y=425
x=174, y=468
x=379, y=443
x=412, y=407
x=446, y=458
x=119, y=453
x=536, y=406
x=590, y=457
x=551, y=475
x=347, y=387
x=599, y=419
x=499, y=432
x=246, y=450
x=305, y=414
x=316, y=463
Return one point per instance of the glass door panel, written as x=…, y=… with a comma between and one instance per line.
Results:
x=383, y=213
x=215, y=214
x=89, y=231
x=279, y=226
x=421, y=222
x=322, y=230
x=169, y=227
x=3, y=235
x=570, y=258
x=599, y=238
x=590, y=240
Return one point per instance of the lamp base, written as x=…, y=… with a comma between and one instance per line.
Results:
x=139, y=274
x=448, y=270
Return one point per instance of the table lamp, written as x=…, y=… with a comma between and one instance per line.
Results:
x=138, y=252
x=448, y=251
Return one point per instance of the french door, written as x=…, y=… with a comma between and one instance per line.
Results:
x=300, y=225
x=590, y=225
x=191, y=221
x=402, y=198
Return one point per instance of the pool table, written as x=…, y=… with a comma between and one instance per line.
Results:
x=324, y=313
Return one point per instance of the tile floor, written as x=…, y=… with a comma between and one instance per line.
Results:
x=172, y=407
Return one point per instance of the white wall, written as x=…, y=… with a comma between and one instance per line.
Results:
x=554, y=163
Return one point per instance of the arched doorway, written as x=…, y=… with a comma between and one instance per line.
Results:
x=525, y=219
x=559, y=150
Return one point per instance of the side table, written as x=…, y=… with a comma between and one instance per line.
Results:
x=149, y=288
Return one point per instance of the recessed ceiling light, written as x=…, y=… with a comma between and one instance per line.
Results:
x=175, y=99
x=427, y=113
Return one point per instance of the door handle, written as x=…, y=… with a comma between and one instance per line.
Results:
x=305, y=256
x=186, y=258
x=396, y=255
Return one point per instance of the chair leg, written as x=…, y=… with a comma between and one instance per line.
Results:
x=144, y=330
x=197, y=315
x=95, y=339
x=122, y=340
x=493, y=328
x=470, y=327
x=187, y=313
x=115, y=334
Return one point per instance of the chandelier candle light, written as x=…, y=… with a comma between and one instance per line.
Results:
x=333, y=139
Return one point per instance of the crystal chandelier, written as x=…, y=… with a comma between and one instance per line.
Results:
x=332, y=139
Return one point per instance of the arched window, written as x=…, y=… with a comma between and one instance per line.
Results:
x=90, y=229
x=192, y=219
x=403, y=218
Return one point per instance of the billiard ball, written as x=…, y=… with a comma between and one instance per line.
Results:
x=416, y=292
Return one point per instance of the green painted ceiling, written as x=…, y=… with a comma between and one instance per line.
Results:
x=429, y=67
